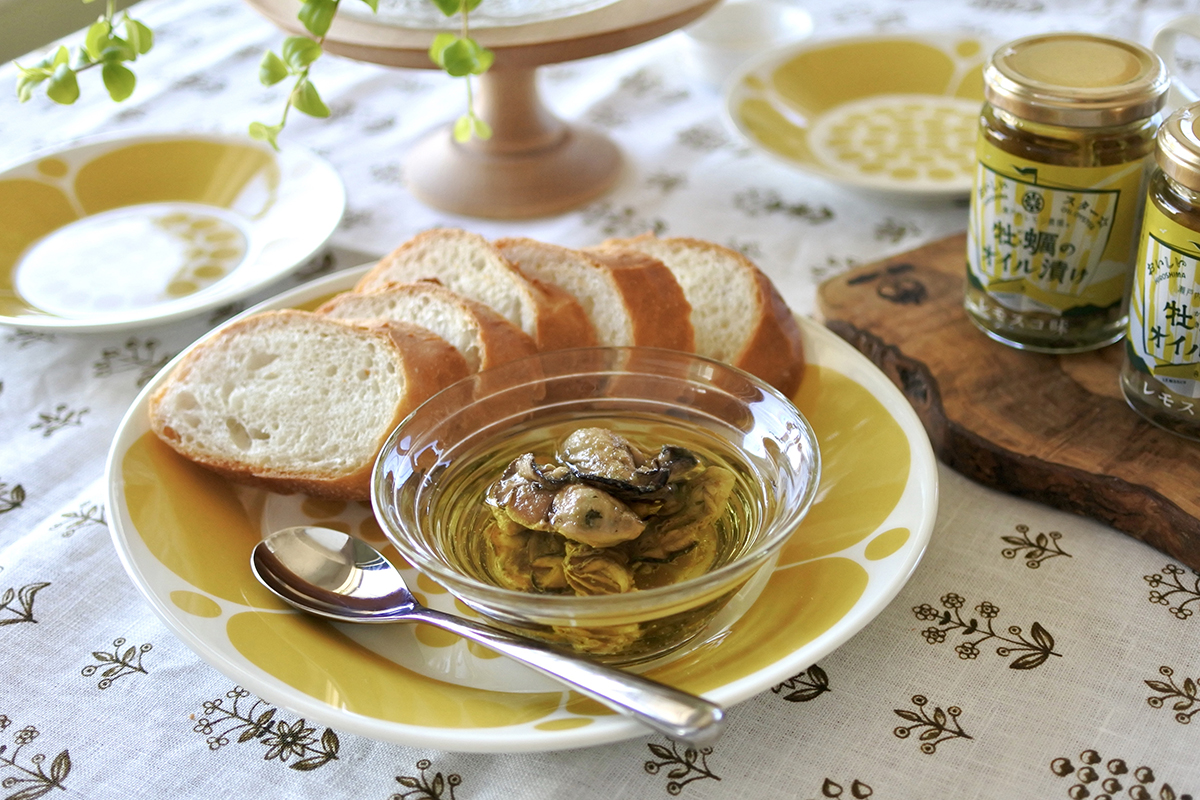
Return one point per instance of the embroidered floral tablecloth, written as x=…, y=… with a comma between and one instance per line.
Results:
x=1032, y=654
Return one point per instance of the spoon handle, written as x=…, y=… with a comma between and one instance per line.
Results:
x=677, y=714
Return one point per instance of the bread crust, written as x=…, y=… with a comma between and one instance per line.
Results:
x=557, y=319
x=650, y=298
x=426, y=364
x=774, y=347
x=661, y=315
x=496, y=340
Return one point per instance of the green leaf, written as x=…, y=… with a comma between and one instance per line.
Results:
x=29, y=80
x=471, y=5
x=118, y=50
x=119, y=81
x=139, y=36
x=63, y=87
x=480, y=129
x=448, y=7
x=317, y=15
x=462, y=129
x=374, y=4
x=461, y=58
x=485, y=59
x=61, y=56
x=265, y=133
x=439, y=45
x=306, y=99
x=98, y=35
x=300, y=51
x=271, y=70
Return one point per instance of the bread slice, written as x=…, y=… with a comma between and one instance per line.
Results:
x=294, y=401
x=737, y=313
x=630, y=298
x=468, y=264
x=484, y=338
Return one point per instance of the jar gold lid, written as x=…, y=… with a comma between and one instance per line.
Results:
x=1077, y=80
x=1178, y=150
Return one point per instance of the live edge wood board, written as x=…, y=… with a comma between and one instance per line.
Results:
x=1054, y=429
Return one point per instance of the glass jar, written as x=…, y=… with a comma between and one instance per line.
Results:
x=1066, y=137
x=1161, y=373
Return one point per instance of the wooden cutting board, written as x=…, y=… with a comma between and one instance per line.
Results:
x=1054, y=429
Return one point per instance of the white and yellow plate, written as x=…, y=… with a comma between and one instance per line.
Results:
x=122, y=232
x=889, y=113
x=185, y=535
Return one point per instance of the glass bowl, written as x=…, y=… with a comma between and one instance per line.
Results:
x=430, y=483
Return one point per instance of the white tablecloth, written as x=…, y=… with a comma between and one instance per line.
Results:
x=909, y=708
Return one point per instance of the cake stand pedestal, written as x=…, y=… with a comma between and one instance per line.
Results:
x=535, y=164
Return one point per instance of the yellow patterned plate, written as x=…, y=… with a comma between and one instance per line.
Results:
x=185, y=535
x=891, y=113
x=122, y=232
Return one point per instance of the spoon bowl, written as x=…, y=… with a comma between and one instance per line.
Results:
x=332, y=575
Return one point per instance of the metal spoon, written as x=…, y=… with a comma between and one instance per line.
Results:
x=327, y=573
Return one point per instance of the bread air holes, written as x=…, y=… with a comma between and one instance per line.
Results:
x=257, y=360
x=242, y=437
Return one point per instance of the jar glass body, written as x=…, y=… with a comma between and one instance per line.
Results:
x=1053, y=230
x=1160, y=376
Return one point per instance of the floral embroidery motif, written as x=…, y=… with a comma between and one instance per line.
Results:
x=421, y=788
x=858, y=790
x=24, y=338
x=30, y=779
x=892, y=230
x=1183, y=707
x=808, y=685
x=73, y=521
x=1118, y=778
x=940, y=726
x=391, y=173
x=751, y=250
x=1035, y=651
x=1041, y=548
x=686, y=767
x=754, y=203
x=258, y=723
x=832, y=266
x=11, y=497
x=121, y=664
x=667, y=182
x=61, y=417
x=356, y=218
x=136, y=355
x=705, y=138
x=224, y=312
x=24, y=598
x=1176, y=592
x=621, y=222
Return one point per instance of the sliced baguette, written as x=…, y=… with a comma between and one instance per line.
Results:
x=737, y=314
x=630, y=298
x=294, y=401
x=468, y=264
x=484, y=338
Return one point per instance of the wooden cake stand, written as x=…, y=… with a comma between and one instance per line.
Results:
x=535, y=164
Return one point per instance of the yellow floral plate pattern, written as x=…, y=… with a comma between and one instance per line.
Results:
x=120, y=232
x=892, y=113
x=184, y=536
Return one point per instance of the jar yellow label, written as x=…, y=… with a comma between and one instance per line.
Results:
x=1164, y=307
x=1053, y=239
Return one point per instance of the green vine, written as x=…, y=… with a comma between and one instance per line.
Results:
x=102, y=47
x=458, y=55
